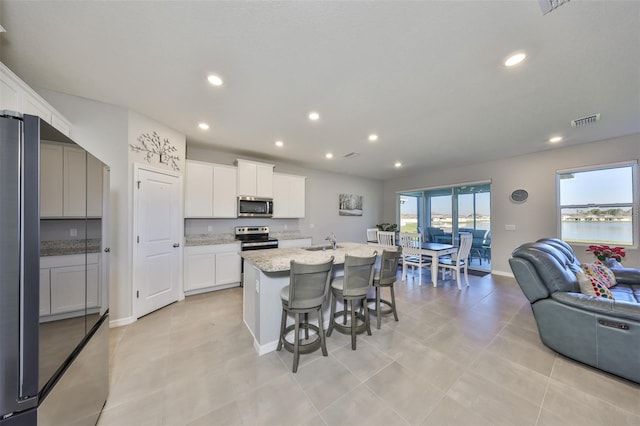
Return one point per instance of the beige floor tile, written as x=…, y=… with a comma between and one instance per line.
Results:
x=411, y=395
x=456, y=357
x=364, y=362
x=573, y=406
x=228, y=414
x=361, y=407
x=325, y=380
x=498, y=404
x=521, y=380
x=448, y=412
x=536, y=357
x=278, y=402
x=606, y=387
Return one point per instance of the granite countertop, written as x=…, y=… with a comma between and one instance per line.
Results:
x=279, y=260
x=288, y=235
x=208, y=239
x=68, y=247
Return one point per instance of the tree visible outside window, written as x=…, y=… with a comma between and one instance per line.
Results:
x=598, y=205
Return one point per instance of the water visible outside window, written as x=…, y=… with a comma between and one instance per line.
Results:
x=596, y=206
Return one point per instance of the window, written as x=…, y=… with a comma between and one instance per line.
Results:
x=409, y=213
x=598, y=205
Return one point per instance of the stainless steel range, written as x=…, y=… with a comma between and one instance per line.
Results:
x=255, y=238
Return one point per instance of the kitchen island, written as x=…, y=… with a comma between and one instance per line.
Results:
x=266, y=272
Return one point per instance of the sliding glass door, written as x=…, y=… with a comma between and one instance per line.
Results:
x=442, y=213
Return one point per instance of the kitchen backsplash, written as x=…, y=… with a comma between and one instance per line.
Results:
x=227, y=226
x=69, y=229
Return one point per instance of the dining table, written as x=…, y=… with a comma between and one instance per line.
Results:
x=435, y=251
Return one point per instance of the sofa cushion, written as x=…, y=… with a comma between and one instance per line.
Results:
x=600, y=272
x=591, y=285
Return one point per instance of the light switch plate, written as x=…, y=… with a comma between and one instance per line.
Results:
x=509, y=227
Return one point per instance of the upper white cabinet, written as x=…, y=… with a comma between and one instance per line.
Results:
x=288, y=196
x=210, y=190
x=70, y=182
x=16, y=95
x=255, y=179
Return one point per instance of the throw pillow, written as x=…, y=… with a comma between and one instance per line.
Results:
x=601, y=272
x=591, y=286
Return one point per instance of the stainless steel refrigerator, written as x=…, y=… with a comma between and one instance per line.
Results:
x=53, y=361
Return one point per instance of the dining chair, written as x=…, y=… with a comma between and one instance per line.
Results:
x=372, y=235
x=387, y=238
x=459, y=260
x=307, y=290
x=352, y=287
x=411, y=244
x=386, y=277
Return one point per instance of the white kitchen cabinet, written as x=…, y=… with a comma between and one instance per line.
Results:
x=225, y=199
x=16, y=95
x=288, y=196
x=210, y=190
x=45, y=292
x=70, y=181
x=95, y=173
x=74, y=192
x=51, y=180
x=297, y=242
x=211, y=267
x=68, y=284
x=255, y=179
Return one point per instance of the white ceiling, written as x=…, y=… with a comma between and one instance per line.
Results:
x=427, y=77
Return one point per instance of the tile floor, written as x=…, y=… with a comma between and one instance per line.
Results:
x=470, y=357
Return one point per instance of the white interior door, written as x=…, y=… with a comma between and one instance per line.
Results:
x=157, y=234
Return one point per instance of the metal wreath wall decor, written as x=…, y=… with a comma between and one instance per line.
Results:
x=152, y=145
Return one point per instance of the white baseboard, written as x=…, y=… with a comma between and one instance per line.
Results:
x=122, y=321
x=503, y=273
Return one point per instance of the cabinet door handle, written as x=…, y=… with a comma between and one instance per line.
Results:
x=176, y=245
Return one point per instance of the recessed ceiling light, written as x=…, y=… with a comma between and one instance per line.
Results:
x=215, y=80
x=314, y=116
x=397, y=164
x=515, y=59
x=373, y=137
x=329, y=155
x=555, y=139
x=279, y=144
x=203, y=126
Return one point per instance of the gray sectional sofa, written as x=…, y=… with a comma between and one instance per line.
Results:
x=602, y=333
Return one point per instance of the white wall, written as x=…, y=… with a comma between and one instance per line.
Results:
x=107, y=132
x=322, y=193
x=537, y=217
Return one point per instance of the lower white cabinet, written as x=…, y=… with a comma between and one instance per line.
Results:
x=298, y=242
x=66, y=286
x=208, y=267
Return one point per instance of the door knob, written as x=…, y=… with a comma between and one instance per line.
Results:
x=107, y=249
x=176, y=245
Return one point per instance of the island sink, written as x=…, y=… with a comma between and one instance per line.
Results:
x=321, y=248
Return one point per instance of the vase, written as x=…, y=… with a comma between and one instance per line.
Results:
x=612, y=263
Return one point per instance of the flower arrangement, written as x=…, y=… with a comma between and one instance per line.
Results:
x=387, y=227
x=604, y=252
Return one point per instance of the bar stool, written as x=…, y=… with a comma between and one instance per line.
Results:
x=353, y=286
x=386, y=277
x=308, y=288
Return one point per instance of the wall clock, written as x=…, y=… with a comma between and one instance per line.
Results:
x=519, y=196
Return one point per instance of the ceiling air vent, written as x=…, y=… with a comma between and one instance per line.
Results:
x=580, y=122
x=351, y=155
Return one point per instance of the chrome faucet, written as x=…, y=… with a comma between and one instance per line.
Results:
x=334, y=241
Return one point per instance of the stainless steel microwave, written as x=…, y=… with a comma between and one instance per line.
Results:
x=255, y=207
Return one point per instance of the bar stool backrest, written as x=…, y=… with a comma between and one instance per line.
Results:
x=309, y=284
x=389, y=266
x=358, y=274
